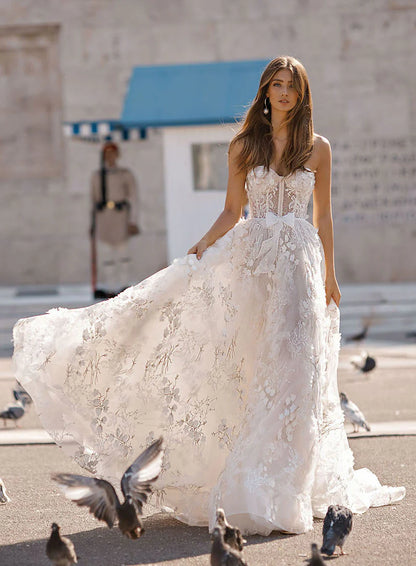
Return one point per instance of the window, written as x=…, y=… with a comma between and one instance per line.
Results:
x=209, y=163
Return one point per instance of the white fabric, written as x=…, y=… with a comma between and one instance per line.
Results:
x=232, y=358
x=113, y=263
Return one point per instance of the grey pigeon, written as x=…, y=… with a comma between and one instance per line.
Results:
x=232, y=535
x=222, y=554
x=353, y=414
x=337, y=527
x=102, y=499
x=361, y=335
x=60, y=550
x=13, y=412
x=364, y=363
x=4, y=498
x=20, y=394
x=316, y=558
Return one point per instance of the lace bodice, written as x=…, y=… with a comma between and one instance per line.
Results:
x=269, y=191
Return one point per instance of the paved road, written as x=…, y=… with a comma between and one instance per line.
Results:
x=381, y=536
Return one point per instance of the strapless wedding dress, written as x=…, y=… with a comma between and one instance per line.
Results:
x=232, y=358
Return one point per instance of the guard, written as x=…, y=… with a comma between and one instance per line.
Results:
x=114, y=209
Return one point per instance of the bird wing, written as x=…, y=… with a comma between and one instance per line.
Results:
x=329, y=519
x=353, y=413
x=70, y=548
x=98, y=495
x=144, y=470
x=343, y=523
x=234, y=558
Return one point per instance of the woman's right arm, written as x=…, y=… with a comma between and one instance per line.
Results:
x=234, y=202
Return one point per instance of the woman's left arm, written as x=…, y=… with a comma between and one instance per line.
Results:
x=322, y=216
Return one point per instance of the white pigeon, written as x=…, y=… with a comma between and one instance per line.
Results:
x=4, y=498
x=353, y=414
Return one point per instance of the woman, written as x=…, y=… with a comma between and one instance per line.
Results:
x=230, y=352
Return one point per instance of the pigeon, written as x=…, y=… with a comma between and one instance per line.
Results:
x=337, y=527
x=13, y=412
x=222, y=554
x=232, y=535
x=360, y=336
x=364, y=362
x=60, y=550
x=4, y=498
x=20, y=394
x=101, y=498
x=316, y=558
x=353, y=413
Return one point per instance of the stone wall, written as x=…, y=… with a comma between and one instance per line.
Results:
x=72, y=60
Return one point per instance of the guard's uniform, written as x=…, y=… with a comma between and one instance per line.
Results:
x=112, y=217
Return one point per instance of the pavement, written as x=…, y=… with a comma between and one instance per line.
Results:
x=382, y=536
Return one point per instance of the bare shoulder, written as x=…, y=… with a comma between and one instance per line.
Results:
x=321, y=145
x=321, y=154
x=235, y=149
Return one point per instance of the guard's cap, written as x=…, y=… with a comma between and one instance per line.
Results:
x=110, y=145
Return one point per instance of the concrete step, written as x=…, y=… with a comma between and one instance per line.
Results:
x=390, y=308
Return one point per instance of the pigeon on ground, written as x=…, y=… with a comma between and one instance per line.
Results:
x=364, y=362
x=4, y=498
x=13, y=412
x=222, y=554
x=232, y=535
x=20, y=394
x=60, y=550
x=101, y=497
x=337, y=527
x=353, y=414
x=316, y=558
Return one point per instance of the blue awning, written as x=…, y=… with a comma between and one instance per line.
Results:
x=180, y=95
x=177, y=95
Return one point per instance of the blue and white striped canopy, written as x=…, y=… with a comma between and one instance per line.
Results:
x=102, y=130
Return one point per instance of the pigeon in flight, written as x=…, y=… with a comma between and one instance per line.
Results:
x=232, y=535
x=4, y=498
x=13, y=412
x=316, y=558
x=353, y=414
x=364, y=362
x=222, y=554
x=101, y=498
x=337, y=527
x=60, y=550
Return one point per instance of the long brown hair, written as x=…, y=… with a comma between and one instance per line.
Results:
x=256, y=134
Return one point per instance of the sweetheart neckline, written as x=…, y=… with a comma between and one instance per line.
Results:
x=305, y=170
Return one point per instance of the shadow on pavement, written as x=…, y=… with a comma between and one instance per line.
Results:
x=165, y=539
